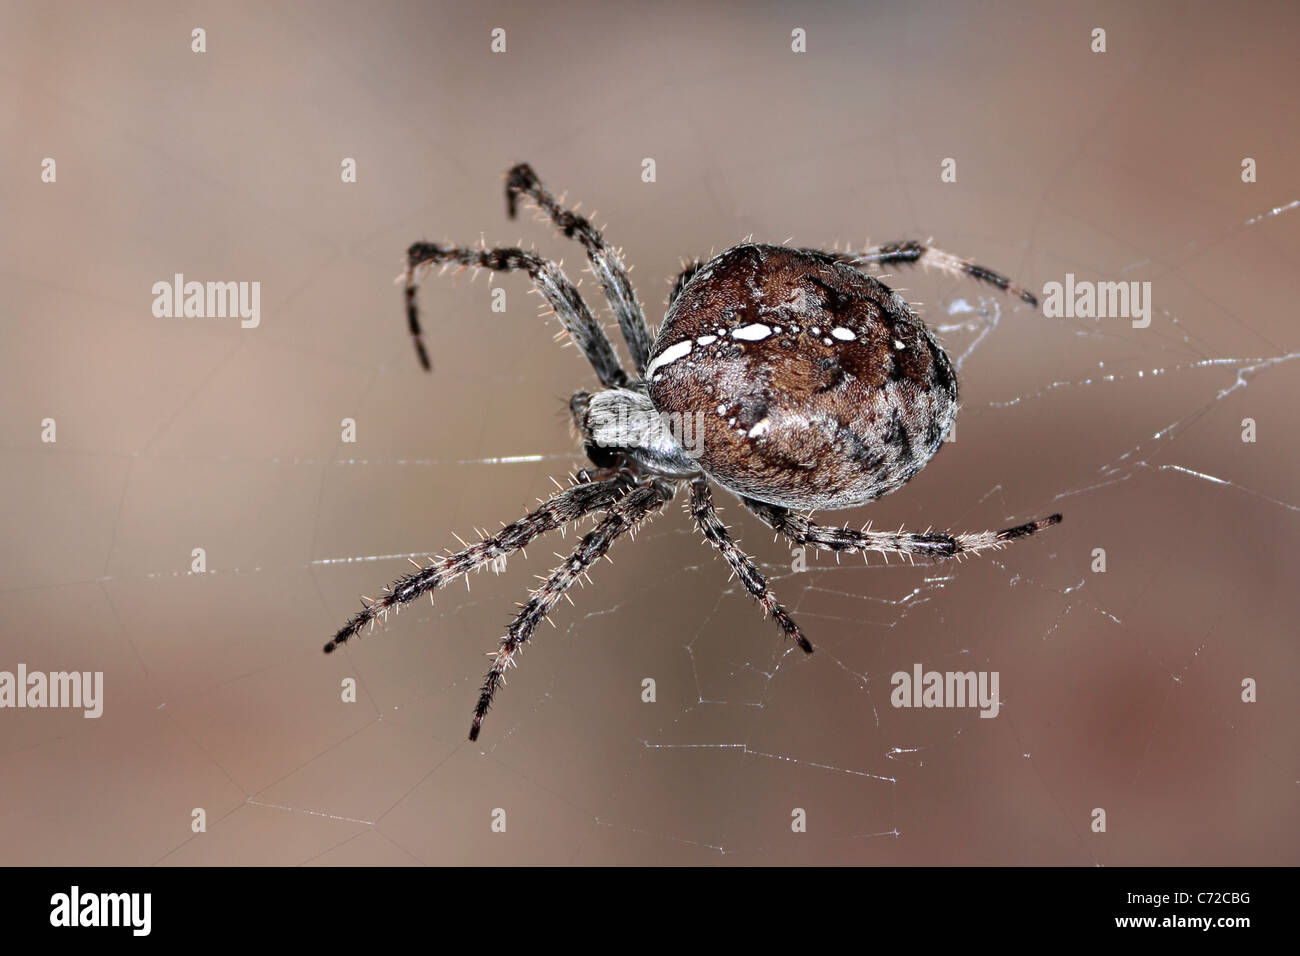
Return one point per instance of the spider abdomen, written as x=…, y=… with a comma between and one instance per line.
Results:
x=815, y=384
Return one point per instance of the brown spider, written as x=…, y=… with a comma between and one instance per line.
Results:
x=803, y=382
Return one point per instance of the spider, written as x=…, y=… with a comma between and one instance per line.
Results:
x=812, y=385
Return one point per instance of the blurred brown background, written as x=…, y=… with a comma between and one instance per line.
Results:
x=1121, y=690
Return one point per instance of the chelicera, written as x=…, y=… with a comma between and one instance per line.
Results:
x=788, y=377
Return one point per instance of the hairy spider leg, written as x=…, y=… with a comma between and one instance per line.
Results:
x=930, y=545
x=623, y=517
x=604, y=259
x=913, y=252
x=711, y=526
x=561, y=509
x=548, y=278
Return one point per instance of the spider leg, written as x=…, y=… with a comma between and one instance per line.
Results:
x=549, y=279
x=605, y=261
x=931, y=545
x=912, y=252
x=561, y=509
x=623, y=516
x=711, y=526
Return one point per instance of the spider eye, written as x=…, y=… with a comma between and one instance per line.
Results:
x=601, y=456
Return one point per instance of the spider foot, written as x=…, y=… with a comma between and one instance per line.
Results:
x=1030, y=527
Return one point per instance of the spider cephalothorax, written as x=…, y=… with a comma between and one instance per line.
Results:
x=787, y=376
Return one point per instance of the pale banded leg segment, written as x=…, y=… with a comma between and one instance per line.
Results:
x=929, y=545
x=623, y=517
x=550, y=281
x=711, y=526
x=604, y=259
x=566, y=507
x=912, y=252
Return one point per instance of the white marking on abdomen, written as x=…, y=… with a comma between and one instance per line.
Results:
x=707, y=339
x=844, y=335
x=670, y=354
x=751, y=333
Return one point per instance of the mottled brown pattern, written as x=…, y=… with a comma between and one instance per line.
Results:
x=839, y=423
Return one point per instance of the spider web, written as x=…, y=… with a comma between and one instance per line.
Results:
x=1119, y=689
